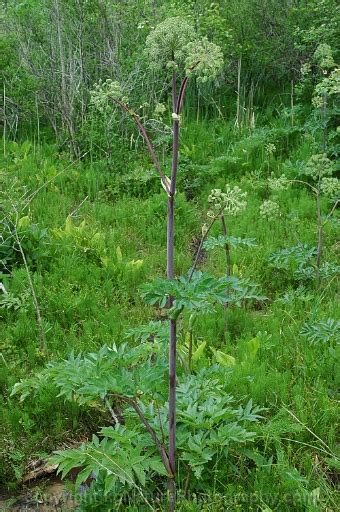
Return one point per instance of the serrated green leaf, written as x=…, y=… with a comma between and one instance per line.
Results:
x=110, y=481
x=158, y=467
x=83, y=476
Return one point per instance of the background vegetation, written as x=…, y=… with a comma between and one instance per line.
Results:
x=83, y=228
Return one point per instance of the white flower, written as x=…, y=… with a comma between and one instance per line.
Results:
x=204, y=59
x=165, y=44
x=174, y=42
x=270, y=149
x=232, y=201
x=160, y=109
x=269, y=209
x=323, y=56
x=329, y=85
x=330, y=187
x=318, y=166
x=306, y=68
x=104, y=91
x=277, y=184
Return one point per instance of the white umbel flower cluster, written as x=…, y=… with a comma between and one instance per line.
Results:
x=231, y=202
x=166, y=44
x=318, y=166
x=204, y=59
x=104, y=91
x=276, y=184
x=330, y=187
x=323, y=55
x=174, y=43
x=269, y=210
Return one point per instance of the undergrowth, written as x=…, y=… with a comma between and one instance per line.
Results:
x=93, y=234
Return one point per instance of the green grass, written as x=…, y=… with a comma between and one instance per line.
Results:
x=85, y=304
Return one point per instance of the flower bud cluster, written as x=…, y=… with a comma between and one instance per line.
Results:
x=330, y=187
x=270, y=149
x=269, y=209
x=318, y=166
x=160, y=110
x=323, y=55
x=277, y=184
x=174, y=42
x=103, y=92
x=232, y=201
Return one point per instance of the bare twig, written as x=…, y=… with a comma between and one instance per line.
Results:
x=113, y=414
x=34, y=296
x=315, y=190
x=311, y=432
x=335, y=205
x=204, y=236
x=79, y=206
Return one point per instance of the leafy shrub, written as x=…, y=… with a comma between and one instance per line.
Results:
x=324, y=330
x=211, y=424
x=33, y=240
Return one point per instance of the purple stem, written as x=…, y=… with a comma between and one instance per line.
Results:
x=147, y=141
x=226, y=247
x=177, y=107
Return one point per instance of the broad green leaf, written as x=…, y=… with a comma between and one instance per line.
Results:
x=199, y=351
x=24, y=222
x=158, y=467
x=140, y=473
x=252, y=348
x=135, y=264
x=26, y=147
x=223, y=358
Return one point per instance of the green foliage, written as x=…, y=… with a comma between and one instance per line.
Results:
x=124, y=456
x=298, y=260
x=8, y=301
x=111, y=370
x=33, y=240
x=222, y=240
x=201, y=293
x=325, y=330
x=93, y=229
x=209, y=426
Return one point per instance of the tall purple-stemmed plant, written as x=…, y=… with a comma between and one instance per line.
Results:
x=172, y=44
